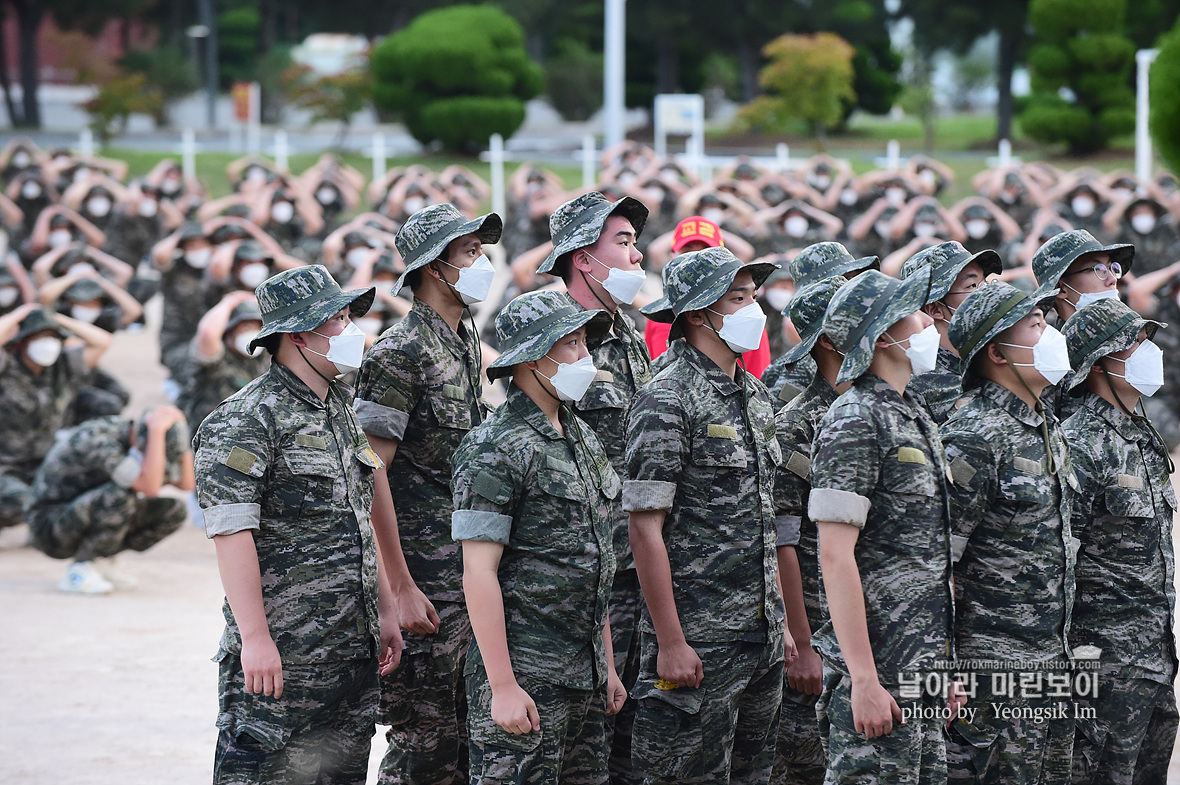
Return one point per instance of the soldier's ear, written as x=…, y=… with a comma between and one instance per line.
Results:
x=695, y=318
x=580, y=260
x=994, y=355
x=935, y=311
x=296, y=338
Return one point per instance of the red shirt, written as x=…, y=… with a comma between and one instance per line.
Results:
x=655, y=335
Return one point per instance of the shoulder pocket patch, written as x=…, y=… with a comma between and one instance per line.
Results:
x=604, y=376
x=453, y=391
x=393, y=399
x=961, y=472
x=799, y=464
x=489, y=487
x=722, y=431
x=241, y=460
x=911, y=455
x=560, y=465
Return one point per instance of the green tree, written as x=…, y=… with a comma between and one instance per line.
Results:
x=574, y=80
x=1165, y=103
x=118, y=99
x=809, y=77
x=456, y=75
x=238, y=48
x=166, y=69
x=331, y=97
x=1080, y=66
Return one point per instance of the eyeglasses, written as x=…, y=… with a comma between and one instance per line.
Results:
x=1102, y=271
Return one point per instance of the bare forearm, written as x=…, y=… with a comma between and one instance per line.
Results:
x=791, y=580
x=237, y=561
x=485, y=607
x=655, y=575
x=846, y=606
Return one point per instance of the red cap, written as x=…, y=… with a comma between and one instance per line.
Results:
x=697, y=228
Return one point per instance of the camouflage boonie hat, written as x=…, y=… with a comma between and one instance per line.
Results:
x=698, y=279
x=302, y=299
x=579, y=222
x=1060, y=251
x=385, y=263
x=1097, y=330
x=806, y=312
x=190, y=230
x=243, y=312
x=864, y=308
x=529, y=325
x=426, y=233
x=35, y=322
x=818, y=261
x=988, y=311
x=251, y=251
x=946, y=261
x=84, y=290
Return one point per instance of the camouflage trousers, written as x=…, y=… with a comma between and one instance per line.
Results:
x=424, y=703
x=722, y=732
x=570, y=748
x=799, y=758
x=626, y=606
x=910, y=754
x=1130, y=740
x=318, y=733
x=15, y=498
x=104, y=521
x=1011, y=750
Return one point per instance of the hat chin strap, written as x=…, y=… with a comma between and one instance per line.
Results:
x=1139, y=418
x=1039, y=408
x=313, y=368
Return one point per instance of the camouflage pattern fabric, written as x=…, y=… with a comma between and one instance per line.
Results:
x=1011, y=536
x=1060, y=251
x=319, y=732
x=626, y=609
x=302, y=299
x=877, y=464
x=579, y=222
x=529, y=325
x=1000, y=750
x=419, y=384
x=186, y=294
x=425, y=235
x=946, y=261
x=702, y=447
x=784, y=380
x=209, y=382
x=822, y=260
x=297, y=471
x=697, y=280
x=913, y=753
x=1132, y=738
x=941, y=388
x=424, y=703
x=15, y=498
x=722, y=731
x=1156, y=249
x=35, y=407
x=130, y=236
x=1126, y=595
x=549, y=500
x=570, y=747
x=83, y=506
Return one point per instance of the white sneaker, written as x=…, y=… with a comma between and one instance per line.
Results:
x=108, y=569
x=83, y=578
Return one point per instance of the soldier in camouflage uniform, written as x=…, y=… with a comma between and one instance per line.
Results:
x=182, y=258
x=40, y=377
x=418, y=394
x=534, y=496
x=1126, y=596
x=219, y=363
x=878, y=497
x=1011, y=541
x=700, y=461
x=593, y=252
x=97, y=493
x=285, y=480
x=955, y=273
x=800, y=754
x=786, y=379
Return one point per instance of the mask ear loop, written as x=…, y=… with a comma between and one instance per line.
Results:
x=1039, y=408
x=709, y=321
x=472, y=328
x=1141, y=419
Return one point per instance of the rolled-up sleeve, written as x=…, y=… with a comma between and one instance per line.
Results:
x=231, y=453
x=232, y=518
x=389, y=386
x=486, y=483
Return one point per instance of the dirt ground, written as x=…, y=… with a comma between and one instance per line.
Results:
x=118, y=690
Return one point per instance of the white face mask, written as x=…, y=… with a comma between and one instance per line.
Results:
x=370, y=325
x=384, y=286
x=282, y=212
x=714, y=214
x=198, y=258
x=170, y=186
x=895, y=196
x=1144, y=369
x=1009, y=197
x=256, y=174
x=848, y=197
x=925, y=229
x=977, y=228
x=1050, y=355
x=928, y=178
x=626, y=178
x=1143, y=223
x=253, y=274
x=572, y=380
x=822, y=181
x=98, y=206
x=357, y=255
x=1082, y=206
x=81, y=268
x=44, y=351
x=796, y=226
x=30, y=190
x=655, y=193
x=148, y=207
x=669, y=176
x=1087, y=298
x=325, y=196
x=882, y=228
x=778, y=298
x=60, y=237
x=8, y=295
x=20, y=159
x=345, y=350
x=922, y=350
x=742, y=330
x=475, y=281
x=241, y=343
x=621, y=285
x=413, y=204
x=86, y=313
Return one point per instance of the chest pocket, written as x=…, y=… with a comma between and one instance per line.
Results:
x=719, y=445
x=1138, y=537
x=453, y=407
x=315, y=473
x=909, y=479
x=557, y=512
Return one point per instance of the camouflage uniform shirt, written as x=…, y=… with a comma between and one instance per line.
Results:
x=1014, y=581
x=96, y=452
x=186, y=294
x=1126, y=597
x=296, y=470
x=884, y=449
x=940, y=388
x=702, y=447
x=35, y=407
x=786, y=380
x=208, y=382
x=549, y=501
x=419, y=384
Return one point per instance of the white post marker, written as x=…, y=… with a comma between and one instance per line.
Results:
x=614, y=67
x=86, y=143
x=782, y=155
x=485, y=310
x=589, y=165
x=188, y=153
x=893, y=155
x=1143, y=59
x=254, y=124
x=378, y=155
x=281, y=150
x=1005, y=153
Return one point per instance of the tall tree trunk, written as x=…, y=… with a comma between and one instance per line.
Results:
x=748, y=65
x=28, y=16
x=1006, y=64
x=667, y=65
x=14, y=119
x=270, y=24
